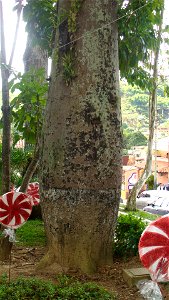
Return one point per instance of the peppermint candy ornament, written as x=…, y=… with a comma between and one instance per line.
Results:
x=33, y=192
x=154, y=248
x=15, y=209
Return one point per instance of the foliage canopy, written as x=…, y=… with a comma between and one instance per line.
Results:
x=137, y=36
x=19, y=161
x=135, y=107
x=28, y=105
x=137, y=22
x=41, y=18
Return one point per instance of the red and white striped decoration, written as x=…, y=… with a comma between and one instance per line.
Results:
x=154, y=248
x=33, y=193
x=15, y=209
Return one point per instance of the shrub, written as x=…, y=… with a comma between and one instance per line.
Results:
x=20, y=160
x=35, y=289
x=127, y=234
x=23, y=289
x=150, y=182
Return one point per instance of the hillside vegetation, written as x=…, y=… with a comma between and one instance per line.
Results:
x=135, y=114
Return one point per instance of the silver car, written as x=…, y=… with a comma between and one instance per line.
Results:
x=150, y=197
x=159, y=207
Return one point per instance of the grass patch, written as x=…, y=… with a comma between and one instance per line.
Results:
x=31, y=234
x=145, y=215
x=34, y=289
x=139, y=213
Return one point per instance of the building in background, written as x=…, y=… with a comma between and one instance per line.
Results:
x=134, y=163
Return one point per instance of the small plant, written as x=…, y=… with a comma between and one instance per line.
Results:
x=3, y=278
x=34, y=289
x=75, y=7
x=127, y=234
x=64, y=280
x=68, y=67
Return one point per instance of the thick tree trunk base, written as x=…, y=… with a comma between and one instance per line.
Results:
x=79, y=226
x=48, y=265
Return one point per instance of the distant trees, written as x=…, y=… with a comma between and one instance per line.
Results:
x=133, y=138
x=135, y=113
x=135, y=107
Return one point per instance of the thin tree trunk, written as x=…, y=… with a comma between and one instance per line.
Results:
x=5, y=112
x=5, y=73
x=30, y=170
x=19, y=11
x=81, y=151
x=35, y=57
x=5, y=245
x=131, y=202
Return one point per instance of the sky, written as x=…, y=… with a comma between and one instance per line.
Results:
x=10, y=22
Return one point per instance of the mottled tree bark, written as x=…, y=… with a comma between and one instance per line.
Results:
x=81, y=150
x=34, y=56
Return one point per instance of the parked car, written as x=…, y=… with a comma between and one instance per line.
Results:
x=159, y=207
x=149, y=197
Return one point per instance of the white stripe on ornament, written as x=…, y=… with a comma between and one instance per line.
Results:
x=24, y=201
x=27, y=210
x=3, y=218
x=2, y=209
x=4, y=199
x=12, y=223
x=145, y=250
x=22, y=219
x=152, y=228
x=153, y=267
x=15, y=196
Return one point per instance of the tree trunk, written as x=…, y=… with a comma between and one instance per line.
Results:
x=81, y=150
x=30, y=170
x=5, y=245
x=6, y=113
x=131, y=202
x=35, y=56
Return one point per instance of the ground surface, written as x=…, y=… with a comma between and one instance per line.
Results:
x=24, y=261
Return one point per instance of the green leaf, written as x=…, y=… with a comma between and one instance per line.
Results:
x=28, y=106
